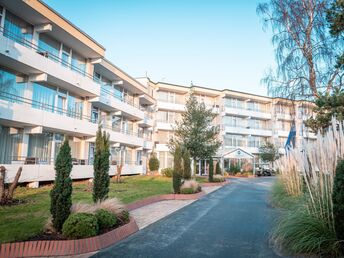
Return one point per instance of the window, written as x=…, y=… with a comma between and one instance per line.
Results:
x=234, y=103
x=234, y=121
x=18, y=30
x=234, y=140
x=65, y=56
x=94, y=114
x=10, y=89
x=40, y=147
x=49, y=47
x=78, y=63
x=74, y=106
x=10, y=145
x=43, y=97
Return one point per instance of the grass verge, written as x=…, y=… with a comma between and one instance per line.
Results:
x=20, y=222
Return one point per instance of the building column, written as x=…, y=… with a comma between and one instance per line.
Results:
x=192, y=167
x=199, y=167
x=24, y=151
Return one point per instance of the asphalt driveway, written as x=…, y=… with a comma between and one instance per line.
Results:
x=232, y=222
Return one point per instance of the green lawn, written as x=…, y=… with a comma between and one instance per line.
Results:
x=23, y=221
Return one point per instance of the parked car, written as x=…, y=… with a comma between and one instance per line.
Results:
x=265, y=171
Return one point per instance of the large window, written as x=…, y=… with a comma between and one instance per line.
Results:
x=78, y=62
x=256, y=141
x=234, y=121
x=9, y=88
x=10, y=145
x=17, y=29
x=40, y=147
x=44, y=97
x=234, y=103
x=49, y=47
x=168, y=117
x=234, y=140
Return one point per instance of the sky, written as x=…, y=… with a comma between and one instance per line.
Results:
x=212, y=43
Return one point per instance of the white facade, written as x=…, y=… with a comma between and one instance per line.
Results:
x=56, y=84
x=245, y=120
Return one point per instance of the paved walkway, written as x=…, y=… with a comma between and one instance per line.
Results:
x=232, y=222
x=151, y=213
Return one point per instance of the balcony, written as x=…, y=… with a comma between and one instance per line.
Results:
x=148, y=145
x=128, y=138
x=170, y=106
x=283, y=116
x=25, y=57
x=148, y=120
x=247, y=131
x=27, y=112
x=164, y=126
x=247, y=113
x=112, y=103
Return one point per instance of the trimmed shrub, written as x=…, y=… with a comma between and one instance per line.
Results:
x=218, y=168
x=153, y=163
x=61, y=194
x=338, y=201
x=167, y=172
x=101, y=166
x=187, y=164
x=80, y=225
x=105, y=219
x=177, y=182
x=211, y=169
x=177, y=169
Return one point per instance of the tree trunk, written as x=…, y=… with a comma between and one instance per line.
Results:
x=2, y=183
x=119, y=171
x=14, y=184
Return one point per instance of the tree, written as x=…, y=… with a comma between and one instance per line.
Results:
x=61, y=194
x=177, y=169
x=211, y=170
x=7, y=190
x=218, y=168
x=335, y=17
x=153, y=163
x=187, y=164
x=338, y=200
x=101, y=166
x=196, y=131
x=268, y=152
x=327, y=106
x=305, y=51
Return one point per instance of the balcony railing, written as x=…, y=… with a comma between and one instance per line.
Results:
x=43, y=106
x=107, y=93
x=19, y=39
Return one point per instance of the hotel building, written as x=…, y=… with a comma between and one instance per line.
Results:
x=56, y=84
x=245, y=120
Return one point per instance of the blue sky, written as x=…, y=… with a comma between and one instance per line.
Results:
x=213, y=43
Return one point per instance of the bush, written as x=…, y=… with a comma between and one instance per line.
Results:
x=80, y=225
x=124, y=217
x=338, y=200
x=298, y=232
x=218, y=168
x=105, y=219
x=187, y=191
x=211, y=169
x=190, y=184
x=235, y=168
x=61, y=194
x=167, y=172
x=153, y=163
x=218, y=179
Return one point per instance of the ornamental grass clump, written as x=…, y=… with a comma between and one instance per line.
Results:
x=308, y=174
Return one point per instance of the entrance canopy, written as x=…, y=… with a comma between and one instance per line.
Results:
x=240, y=156
x=237, y=154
